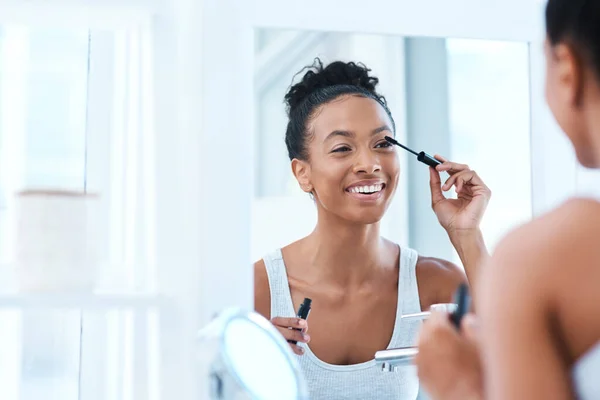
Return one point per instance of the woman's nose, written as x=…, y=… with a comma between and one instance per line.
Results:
x=367, y=164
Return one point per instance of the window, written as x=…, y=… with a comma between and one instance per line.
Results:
x=75, y=107
x=43, y=97
x=43, y=91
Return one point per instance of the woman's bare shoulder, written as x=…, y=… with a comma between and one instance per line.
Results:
x=262, y=292
x=567, y=231
x=577, y=215
x=437, y=280
x=548, y=252
x=544, y=274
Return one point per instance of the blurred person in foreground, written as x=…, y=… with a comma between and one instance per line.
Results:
x=537, y=330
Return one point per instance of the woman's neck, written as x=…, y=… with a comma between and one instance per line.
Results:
x=592, y=118
x=344, y=253
x=594, y=141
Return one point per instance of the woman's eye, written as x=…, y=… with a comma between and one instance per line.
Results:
x=341, y=149
x=384, y=144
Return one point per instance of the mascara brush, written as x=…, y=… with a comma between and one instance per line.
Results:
x=422, y=156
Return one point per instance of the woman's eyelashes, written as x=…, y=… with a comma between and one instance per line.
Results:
x=341, y=149
x=383, y=144
x=344, y=148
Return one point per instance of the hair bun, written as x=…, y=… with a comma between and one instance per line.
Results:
x=337, y=73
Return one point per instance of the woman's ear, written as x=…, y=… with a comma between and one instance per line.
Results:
x=301, y=170
x=569, y=72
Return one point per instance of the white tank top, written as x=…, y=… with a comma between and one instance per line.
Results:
x=586, y=375
x=358, y=381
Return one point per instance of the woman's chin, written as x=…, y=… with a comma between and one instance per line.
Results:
x=367, y=217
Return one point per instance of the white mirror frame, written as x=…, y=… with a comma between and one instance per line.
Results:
x=212, y=143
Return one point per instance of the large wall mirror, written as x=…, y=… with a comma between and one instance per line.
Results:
x=465, y=82
x=466, y=99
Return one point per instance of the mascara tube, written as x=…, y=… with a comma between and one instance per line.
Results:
x=303, y=312
x=463, y=303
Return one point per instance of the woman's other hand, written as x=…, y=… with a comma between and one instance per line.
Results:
x=293, y=329
x=448, y=362
x=463, y=214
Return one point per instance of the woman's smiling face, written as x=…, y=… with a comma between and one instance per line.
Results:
x=351, y=170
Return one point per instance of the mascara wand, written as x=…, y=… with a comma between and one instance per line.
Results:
x=422, y=156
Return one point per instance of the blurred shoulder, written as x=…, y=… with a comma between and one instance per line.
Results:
x=540, y=256
x=573, y=226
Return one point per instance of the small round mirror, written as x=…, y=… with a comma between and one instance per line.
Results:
x=263, y=369
x=250, y=359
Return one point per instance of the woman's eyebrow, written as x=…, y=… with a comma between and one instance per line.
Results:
x=351, y=134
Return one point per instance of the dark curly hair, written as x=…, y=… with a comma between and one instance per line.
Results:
x=321, y=85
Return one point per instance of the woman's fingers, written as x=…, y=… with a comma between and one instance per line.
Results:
x=294, y=322
x=297, y=349
x=451, y=167
x=294, y=335
x=435, y=184
x=293, y=330
x=440, y=158
x=459, y=179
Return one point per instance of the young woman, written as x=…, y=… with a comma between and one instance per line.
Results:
x=539, y=297
x=360, y=283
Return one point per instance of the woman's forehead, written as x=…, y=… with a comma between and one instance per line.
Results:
x=349, y=113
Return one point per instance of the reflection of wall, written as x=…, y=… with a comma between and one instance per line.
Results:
x=490, y=125
x=277, y=221
x=429, y=131
x=588, y=183
x=469, y=101
x=272, y=80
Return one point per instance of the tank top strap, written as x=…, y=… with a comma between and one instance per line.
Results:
x=408, y=300
x=408, y=288
x=585, y=374
x=281, y=299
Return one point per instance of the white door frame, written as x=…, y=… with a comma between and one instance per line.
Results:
x=226, y=148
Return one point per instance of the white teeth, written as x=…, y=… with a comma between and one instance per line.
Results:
x=367, y=189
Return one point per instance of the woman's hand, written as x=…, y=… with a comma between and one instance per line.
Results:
x=464, y=213
x=287, y=327
x=448, y=362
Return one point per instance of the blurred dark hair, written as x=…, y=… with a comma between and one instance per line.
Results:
x=576, y=22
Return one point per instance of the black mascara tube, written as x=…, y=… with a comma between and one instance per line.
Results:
x=463, y=302
x=422, y=156
x=303, y=312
